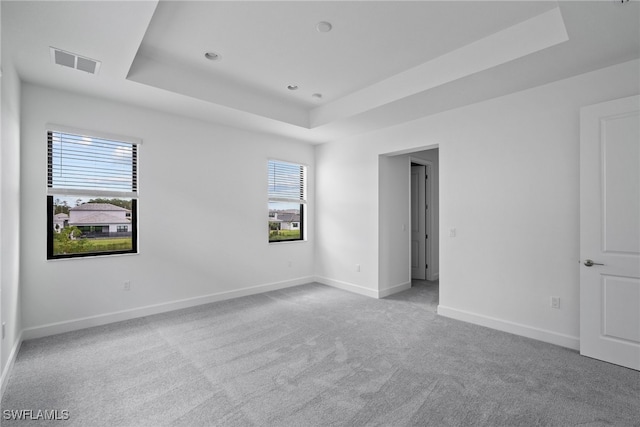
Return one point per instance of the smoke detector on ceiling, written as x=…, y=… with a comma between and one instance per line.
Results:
x=324, y=27
x=72, y=60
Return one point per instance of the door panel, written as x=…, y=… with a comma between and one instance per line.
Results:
x=621, y=180
x=621, y=319
x=610, y=232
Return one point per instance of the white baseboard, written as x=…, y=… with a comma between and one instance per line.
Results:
x=511, y=327
x=345, y=286
x=9, y=365
x=103, y=319
x=382, y=293
x=361, y=290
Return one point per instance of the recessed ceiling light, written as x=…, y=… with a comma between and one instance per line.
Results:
x=212, y=56
x=292, y=87
x=324, y=27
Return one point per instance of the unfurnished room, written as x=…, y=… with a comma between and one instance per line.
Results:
x=320, y=213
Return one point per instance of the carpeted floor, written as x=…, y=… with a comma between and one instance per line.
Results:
x=315, y=356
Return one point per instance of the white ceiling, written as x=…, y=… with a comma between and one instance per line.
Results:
x=382, y=64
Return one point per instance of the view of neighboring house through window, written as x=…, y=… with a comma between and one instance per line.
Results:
x=287, y=198
x=92, y=187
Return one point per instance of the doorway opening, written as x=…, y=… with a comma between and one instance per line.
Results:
x=396, y=226
x=424, y=215
x=419, y=220
x=424, y=225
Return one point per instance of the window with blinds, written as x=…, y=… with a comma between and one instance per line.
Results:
x=92, y=192
x=93, y=165
x=287, y=199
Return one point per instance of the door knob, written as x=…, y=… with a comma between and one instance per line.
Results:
x=590, y=263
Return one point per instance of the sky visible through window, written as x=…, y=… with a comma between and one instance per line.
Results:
x=286, y=189
x=89, y=163
x=285, y=181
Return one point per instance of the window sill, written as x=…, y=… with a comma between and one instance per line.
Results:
x=79, y=258
x=287, y=242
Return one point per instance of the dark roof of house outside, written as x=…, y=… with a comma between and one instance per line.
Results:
x=288, y=217
x=98, y=207
x=100, y=218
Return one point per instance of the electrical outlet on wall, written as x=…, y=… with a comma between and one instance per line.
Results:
x=555, y=302
x=127, y=285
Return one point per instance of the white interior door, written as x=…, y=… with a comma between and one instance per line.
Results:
x=610, y=232
x=418, y=223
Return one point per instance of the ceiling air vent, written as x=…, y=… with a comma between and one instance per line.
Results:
x=68, y=59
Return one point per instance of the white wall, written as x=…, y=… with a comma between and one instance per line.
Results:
x=394, y=224
x=347, y=195
x=509, y=184
x=10, y=213
x=202, y=217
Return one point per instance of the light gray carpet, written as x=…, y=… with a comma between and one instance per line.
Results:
x=314, y=355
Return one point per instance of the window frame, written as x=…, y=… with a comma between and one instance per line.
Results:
x=51, y=230
x=52, y=192
x=301, y=202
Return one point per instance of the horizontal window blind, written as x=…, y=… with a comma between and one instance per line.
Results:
x=90, y=165
x=287, y=182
